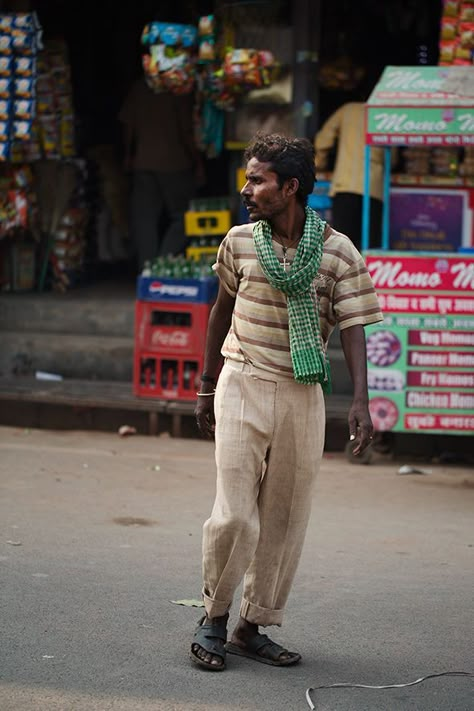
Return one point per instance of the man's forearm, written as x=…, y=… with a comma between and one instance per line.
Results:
x=219, y=323
x=355, y=353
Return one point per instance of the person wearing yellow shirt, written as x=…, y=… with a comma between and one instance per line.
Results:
x=346, y=129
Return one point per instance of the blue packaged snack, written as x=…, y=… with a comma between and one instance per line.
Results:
x=170, y=34
x=5, y=87
x=24, y=109
x=23, y=21
x=151, y=33
x=189, y=36
x=23, y=41
x=4, y=151
x=5, y=65
x=22, y=129
x=25, y=66
x=5, y=109
x=5, y=43
x=4, y=130
x=6, y=22
x=24, y=88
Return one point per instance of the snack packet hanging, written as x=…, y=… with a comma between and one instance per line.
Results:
x=5, y=109
x=4, y=131
x=24, y=66
x=5, y=88
x=24, y=88
x=6, y=64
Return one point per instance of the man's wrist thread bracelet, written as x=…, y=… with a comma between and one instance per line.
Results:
x=206, y=394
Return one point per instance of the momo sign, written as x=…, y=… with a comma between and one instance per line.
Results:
x=424, y=106
x=448, y=126
x=421, y=358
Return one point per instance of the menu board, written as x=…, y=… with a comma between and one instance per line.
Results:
x=421, y=358
x=429, y=219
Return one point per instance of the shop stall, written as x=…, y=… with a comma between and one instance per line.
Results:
x=421, y=358
x=43, y=211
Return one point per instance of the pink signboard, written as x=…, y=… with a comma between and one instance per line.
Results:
x=421, y=358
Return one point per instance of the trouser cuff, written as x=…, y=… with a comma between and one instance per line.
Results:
x=260, y=615
x=214, y=608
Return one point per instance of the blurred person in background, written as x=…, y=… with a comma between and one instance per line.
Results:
x=345, y=131
x=165, y=168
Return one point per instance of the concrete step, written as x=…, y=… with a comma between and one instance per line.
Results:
x=56, y=313
x=78, y=355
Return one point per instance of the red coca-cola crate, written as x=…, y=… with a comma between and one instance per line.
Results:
x=168, y=377
x=171, y=328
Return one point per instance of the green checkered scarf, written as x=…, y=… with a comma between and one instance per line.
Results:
x=308, y=354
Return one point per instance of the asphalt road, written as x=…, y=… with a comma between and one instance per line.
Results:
x=98, y=534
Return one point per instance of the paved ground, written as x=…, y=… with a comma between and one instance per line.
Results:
x=98, y=534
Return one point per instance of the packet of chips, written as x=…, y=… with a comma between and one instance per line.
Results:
x=6, y=64
x=5, y=88
x=4, y=131
x=4, y=151
x=24, y=88
x=450, y=8
x=449, y=28
x=24, y=66
x=5, y=109
x=466, y=13
x=22, y=129
x=24, y=109
x=466, y=34
x=6, y=43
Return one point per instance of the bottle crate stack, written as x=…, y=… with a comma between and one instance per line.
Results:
x=206, y=223
x=171, y=317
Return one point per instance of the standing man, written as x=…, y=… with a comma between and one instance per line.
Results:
x=165, y=164
x=285, y=281
x=346, y=130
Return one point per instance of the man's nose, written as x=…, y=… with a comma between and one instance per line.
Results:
x=246, y=189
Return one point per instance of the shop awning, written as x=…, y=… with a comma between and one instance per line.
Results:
x=422, y=106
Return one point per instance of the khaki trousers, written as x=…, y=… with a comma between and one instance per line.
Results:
x=269, y=444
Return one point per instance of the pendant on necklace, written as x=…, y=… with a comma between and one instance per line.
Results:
x=285, y=262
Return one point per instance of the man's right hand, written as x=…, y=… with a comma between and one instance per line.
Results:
x=204, y=411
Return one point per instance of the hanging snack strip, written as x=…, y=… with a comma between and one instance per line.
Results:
x=20, y=38
x=52, y=131
x=457, y=33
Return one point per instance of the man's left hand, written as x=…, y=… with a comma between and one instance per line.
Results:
x=361, y=429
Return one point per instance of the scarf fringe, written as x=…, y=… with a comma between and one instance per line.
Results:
x=320, y=373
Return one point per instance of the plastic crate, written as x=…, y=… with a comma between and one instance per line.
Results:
x=181, y=291
x=166, y=377
x=168, y=328
x=240, y=178
x=197, y=252
x=210, y=222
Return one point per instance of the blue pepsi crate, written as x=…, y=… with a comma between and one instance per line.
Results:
x=201, y=291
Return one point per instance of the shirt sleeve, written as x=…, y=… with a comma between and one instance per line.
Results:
x=355, y=300
x=225, y=266
x=327, y=136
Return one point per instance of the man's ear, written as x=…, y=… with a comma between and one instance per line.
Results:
x=291, y=186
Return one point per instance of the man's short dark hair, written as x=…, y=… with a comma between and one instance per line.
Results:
x=288, y=158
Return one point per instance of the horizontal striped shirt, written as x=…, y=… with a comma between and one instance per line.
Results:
x=259, y=329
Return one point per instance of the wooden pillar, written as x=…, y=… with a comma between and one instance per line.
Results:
x=307, y=41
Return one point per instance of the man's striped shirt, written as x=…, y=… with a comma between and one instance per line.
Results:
x=259, y=329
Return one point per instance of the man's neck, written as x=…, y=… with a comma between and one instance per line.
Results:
x=290, y=224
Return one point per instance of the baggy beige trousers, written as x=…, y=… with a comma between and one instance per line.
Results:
x=269, y=444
